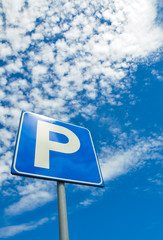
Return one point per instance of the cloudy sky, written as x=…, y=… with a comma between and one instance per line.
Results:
x=95, y=64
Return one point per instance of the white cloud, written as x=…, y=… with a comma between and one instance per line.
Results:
x=6, y=137
x=33, y=195
x=5, y=50
x=38, y=73
x=87, y=202
x=9, y=116
x=5, y=164
x=13, y=230
x=86, y=51
x=118, y=162
x=14, y=66
x=29, y=203
x=158, y=75
x=19, y=84
x=17, y=38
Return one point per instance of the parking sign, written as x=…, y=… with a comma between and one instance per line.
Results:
x=54, y=150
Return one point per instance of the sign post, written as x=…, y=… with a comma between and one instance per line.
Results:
x=62, y=211
x=54, y=150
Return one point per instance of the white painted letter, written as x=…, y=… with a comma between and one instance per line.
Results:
x=44, y=145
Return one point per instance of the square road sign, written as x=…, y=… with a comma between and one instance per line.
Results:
x=54, y=150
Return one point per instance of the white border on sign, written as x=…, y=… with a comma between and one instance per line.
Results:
x=49, y=177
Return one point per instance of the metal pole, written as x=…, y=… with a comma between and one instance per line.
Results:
x=62, y=212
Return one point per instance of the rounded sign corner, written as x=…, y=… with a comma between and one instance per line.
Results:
x=24, y=112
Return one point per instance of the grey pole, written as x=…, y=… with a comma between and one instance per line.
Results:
x=62, y=212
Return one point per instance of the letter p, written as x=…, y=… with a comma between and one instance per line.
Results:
x=44, y=145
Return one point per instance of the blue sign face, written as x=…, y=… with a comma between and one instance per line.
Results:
x=50, y=149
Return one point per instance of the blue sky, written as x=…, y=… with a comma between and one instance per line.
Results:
x=96, y=64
